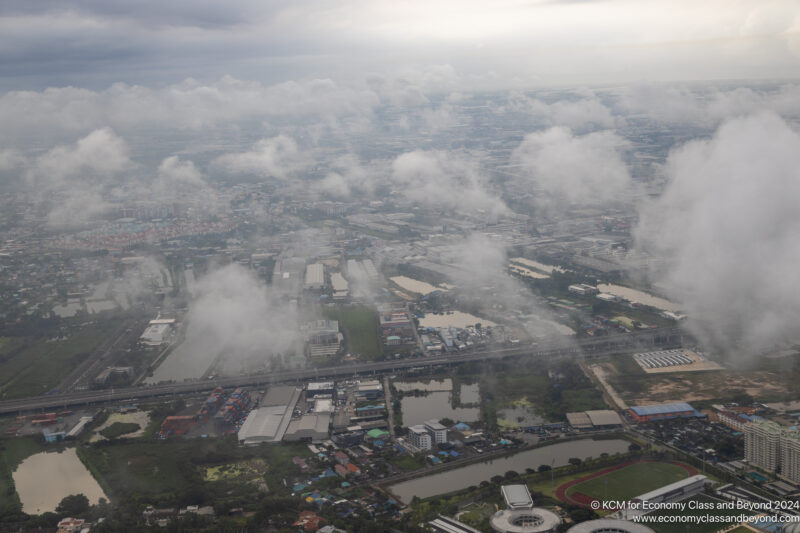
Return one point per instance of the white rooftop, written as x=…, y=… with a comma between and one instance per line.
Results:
x=517, y=496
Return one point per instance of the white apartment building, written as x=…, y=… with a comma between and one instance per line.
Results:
x=762, y=444
x=438, y=431
x=419, y=437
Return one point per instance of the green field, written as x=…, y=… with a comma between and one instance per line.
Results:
x=361, y=331
x=29, y=367
x=630, y=481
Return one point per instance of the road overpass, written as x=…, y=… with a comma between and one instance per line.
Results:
x=587, y=348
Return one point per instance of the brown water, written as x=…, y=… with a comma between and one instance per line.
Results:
x=44, y=479
x=555, y=455
x=435, y=405
x=470, y=394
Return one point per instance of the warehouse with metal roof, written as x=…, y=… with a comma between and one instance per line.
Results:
x=665, y=411
x=604, y=419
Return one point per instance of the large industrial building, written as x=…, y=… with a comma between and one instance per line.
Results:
x=315, y=277
x=309, y=428
x=157, y=331
x=596, y=420
x=521, y=516
x=269, y=422
x=665, y=411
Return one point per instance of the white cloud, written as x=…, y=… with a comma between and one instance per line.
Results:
x=577, y=115
x=189, y=105
x=570, y=169
x=727, y=226
x=173, y=170
x=98, y=155
x=708, y=105
x=278, y=157
x=348, y=177
x=445, y=179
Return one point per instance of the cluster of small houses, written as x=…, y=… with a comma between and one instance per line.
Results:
x=329, y=462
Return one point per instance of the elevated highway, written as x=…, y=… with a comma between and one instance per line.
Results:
x=644, y=340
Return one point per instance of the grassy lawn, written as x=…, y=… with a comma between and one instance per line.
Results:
x=361, y=330
x=662, y=527
x=631, y=481
x=29, y=367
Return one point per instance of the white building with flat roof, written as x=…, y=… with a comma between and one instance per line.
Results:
x=315, y=277
x=438, y=431
x=419, y=437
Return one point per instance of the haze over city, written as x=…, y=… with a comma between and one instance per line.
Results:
x=398, y=266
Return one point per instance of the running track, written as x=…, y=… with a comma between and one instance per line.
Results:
x=579, y=498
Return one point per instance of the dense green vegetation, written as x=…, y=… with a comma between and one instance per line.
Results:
x=566, y=389
x=406, y=463
x=172, y=472
x=118, y=429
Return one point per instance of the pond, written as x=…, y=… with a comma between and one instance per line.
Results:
x=554, y=455
x=435, y=405
x=519, y=416
x=470, y=394
x=431, y=385
x=44, y=479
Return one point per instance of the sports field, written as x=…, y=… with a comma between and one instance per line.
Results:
x=623, y=482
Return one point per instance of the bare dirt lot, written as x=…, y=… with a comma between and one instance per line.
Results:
x=692, y=387
x=637, y=387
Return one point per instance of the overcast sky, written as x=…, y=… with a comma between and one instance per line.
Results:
x=494, y=44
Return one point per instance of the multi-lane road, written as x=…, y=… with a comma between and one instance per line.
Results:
x=596, y=347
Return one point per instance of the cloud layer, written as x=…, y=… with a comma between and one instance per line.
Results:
x=570, y=169
x=728, y=226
